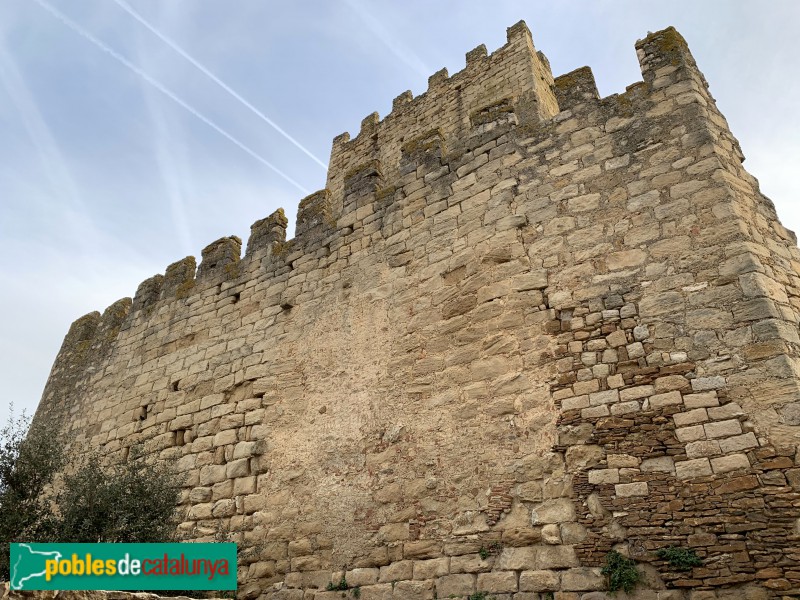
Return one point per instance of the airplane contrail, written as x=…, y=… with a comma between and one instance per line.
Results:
x=172, y=44
x=164, y=90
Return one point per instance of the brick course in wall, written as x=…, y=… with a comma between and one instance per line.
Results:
x=521, y=327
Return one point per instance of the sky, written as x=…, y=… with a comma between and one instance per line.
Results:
x=135, y=132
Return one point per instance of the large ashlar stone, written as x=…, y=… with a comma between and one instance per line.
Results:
x=498, y=582
x=732, y=462
x=556, y=557
x=455, y=585
x=414, y=590
x=583, y=457
x=517, y=559
x=381, y=591
x=689, y=469
x=756, y=284
x=539, y=581
x=429, y=569
x=559, y=510
x=396, y=571
x=471, y=563
x=582, y=579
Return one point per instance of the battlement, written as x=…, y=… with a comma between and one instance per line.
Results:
x=519, y=317
x=515, y=73
x=513, y=85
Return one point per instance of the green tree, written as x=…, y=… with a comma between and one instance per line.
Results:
x=134, y=501
x=29, y=459
x=130, y=502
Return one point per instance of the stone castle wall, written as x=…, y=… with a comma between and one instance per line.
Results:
x=522, y=326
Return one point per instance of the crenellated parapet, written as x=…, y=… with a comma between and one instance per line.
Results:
x=510, y=87
x=516, y=73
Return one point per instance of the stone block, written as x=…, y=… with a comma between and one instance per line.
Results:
x=601, y=476
x=381, y=591
x=517, y=559
x=583, y=456
x=726, y=411
x=738, y=442
x=223, y=508
x=624, y=408
x=211, y=474
x=556, y=557
x=558, y=510
x=615, y=381
x=359, y=577
x=471, y=563
x=703, y=448
x=308, y=579
x=551, y=534
x=616, y=339
x=575, y=402
x=237, y=468
x=200, y=511
x=573, y=533
x=690, y=434
x=625, y=490
x=396, y=571
x=223, y=438
x=595, y=412
x=200, y=494
x=302, y=547
x=582, y=579
x=721, y=429
x=702, y=384
x=244, y=486
x=635, y=350
x=732, y=462
x=617, y=461
x=455, y=585
x=673, y=398
x=660, y=464
x=539, y=581
x=430, y=569
x=701, y=400
x=690, y=417
x=414, y=590
x=689, y=469
x=636, y=393
x=604, y=397
x=422, y=549
x=394, y=532
x=248, y=449
x=498, y=582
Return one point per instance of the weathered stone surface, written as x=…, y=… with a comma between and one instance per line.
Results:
x=521, y=326
x=539, y=581
x=688, y=469
x=556, y=557
x=498, y=582
x=516, y=559
x=559, y=510
x=582, y=579
x=455, y=585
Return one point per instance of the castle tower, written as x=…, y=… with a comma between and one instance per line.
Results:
x=523, y=326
